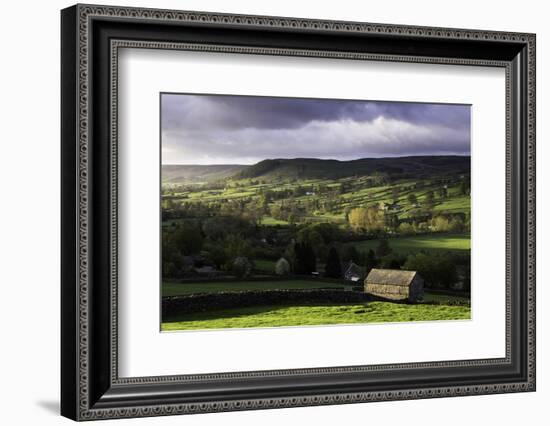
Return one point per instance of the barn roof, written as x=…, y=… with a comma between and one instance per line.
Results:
x=353, y=269
x=390, y=277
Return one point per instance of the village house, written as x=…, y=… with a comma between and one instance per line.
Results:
x=353, y=272
x=207, y=271
x=198, y=264
x=395, y=284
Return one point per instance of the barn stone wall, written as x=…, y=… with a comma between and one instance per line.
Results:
x=391, y=292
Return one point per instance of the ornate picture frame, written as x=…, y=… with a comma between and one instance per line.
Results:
x=91, y=37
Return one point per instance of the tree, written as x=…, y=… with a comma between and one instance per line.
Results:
x=464, y=188
x=292, y=218
x=329, y=231
x=369, y=219
x=242, y=267
x=395, y=194
x=430, y=200
x=440, y=224
x=185, y=238
x=439, y=271
x=311, y=236
x=411, y=198
x=351, y=254
x=169, y=270
x=216, y=228
x=356, y=218
x=290, y=255
x=456, y=224
x=333, y=267
x=264, y=201
x=282, y=267
x=305, y=261
x=383, y=248
x=236, y=246
x=391, y=261
x=370, y=261
x=405, y=228
x=216, y=253
x=275, y=211
x=347, y=211
x=392, y=221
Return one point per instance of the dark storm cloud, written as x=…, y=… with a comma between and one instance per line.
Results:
x=245, y=129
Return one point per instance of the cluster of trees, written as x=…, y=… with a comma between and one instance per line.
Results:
x=290, y=205
x=289, y=212
x=220, y=241
x=228, y=232
x=229, y=244
x=178, y=242
x=438, y=270
x=367, y=219
x=374, y=220
x=302, y=258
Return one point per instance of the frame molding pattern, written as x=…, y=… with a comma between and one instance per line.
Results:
x=85, y=13
x=115, y=46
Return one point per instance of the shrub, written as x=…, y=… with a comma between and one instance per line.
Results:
x=439, y=271
x=333, y=267
x=440, y=224
x=242, y=267
x=456, y=224
x=392, y=261
x=353, y=255
x=282, y=267
x=370, y=261
x=406, y=229
x=383, y=248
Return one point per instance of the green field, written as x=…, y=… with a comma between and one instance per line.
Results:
x=269, y=221
x=313, y=186
x=284, y=316
x=265, y=265
x=456, y=204
x=181, y=289
x=309, y=212
x=435, y=242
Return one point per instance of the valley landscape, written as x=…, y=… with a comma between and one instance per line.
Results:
x=411, y=212
x=289, y=241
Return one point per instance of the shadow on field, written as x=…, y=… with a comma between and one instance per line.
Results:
x=239, y=312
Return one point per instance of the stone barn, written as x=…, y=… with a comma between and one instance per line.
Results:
x=394, y=284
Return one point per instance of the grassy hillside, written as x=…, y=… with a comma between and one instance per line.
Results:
x=312, y=168
x=174, y=173
x=428, y=243
x=226, y=227
x=281, y=316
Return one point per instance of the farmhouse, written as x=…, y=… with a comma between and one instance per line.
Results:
x=395, y=284
x=206, y=271
x=353, y=272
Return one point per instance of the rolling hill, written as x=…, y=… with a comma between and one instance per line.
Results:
x=313, y=168
x=176, y=173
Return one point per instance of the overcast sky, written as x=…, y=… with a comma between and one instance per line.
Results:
x=214, y=129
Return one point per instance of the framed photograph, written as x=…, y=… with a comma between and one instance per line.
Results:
x=263, y=212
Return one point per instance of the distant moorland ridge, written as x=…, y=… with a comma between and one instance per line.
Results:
x=314, y=168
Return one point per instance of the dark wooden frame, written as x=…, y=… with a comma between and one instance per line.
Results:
x=90, y=386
